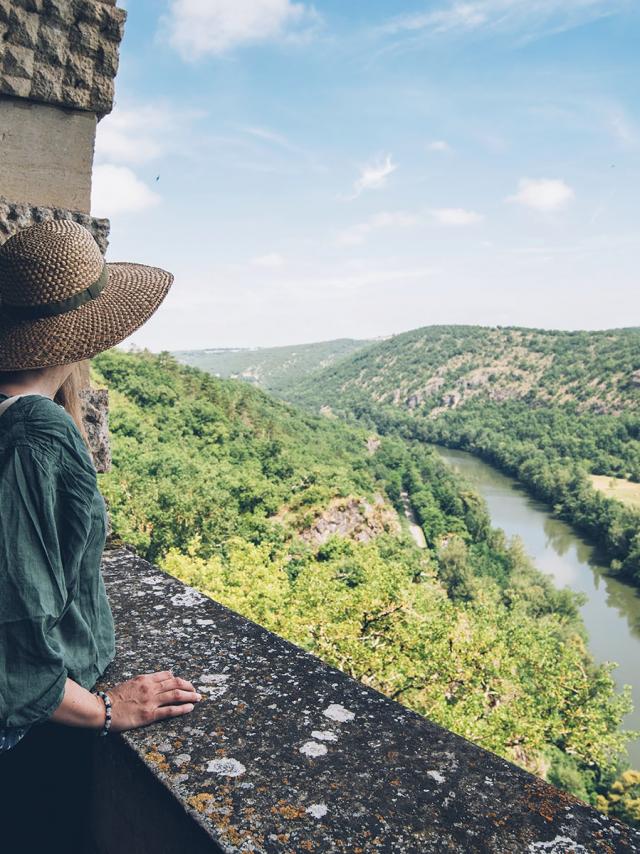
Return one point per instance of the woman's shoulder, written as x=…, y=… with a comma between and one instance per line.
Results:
x=46, y=426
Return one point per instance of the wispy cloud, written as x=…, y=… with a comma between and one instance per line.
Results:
x=440, y=145
x=270, y=261
x=357, y=234
x=197, y=28
x=543, y=194
x=373, y=175
x=456, y=216
x=526, y=18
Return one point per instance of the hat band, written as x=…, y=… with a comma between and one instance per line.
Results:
x=37, y=312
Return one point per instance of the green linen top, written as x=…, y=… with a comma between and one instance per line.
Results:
x=55, y=619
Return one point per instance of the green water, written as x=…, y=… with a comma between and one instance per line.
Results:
x=612, y=611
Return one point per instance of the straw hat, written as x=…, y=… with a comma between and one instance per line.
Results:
x=61, y=303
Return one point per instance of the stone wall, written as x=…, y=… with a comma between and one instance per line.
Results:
x=62, y=52
x=15, y=216
x=289, y=755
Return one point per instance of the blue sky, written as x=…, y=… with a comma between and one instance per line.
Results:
x=361, y=167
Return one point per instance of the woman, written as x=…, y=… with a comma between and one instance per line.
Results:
x=60, y=304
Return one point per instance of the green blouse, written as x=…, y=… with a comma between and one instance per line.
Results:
x=55, y=619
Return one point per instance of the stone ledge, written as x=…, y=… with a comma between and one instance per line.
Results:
x=15, y=216
x=287, y=754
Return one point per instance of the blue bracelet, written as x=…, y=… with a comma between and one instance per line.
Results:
x=107, y=711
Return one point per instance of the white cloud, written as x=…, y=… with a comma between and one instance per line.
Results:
x=201, y=27
x=373, y=175
x=456, y=216
x=357, y=234
x=440, y=145
x=543, y=194
x=131, y=135
x=531, y=18
x=117, y=189
x=271, y=261
x=140, y=133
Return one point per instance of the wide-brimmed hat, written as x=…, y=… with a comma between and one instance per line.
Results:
x=61, y=303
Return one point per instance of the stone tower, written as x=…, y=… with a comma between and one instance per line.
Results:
x=58, y=62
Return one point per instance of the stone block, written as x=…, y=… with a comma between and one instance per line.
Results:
x=18, y=61
x=47, y=154
x=19, y=87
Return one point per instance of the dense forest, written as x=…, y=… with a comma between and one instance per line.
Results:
x=297, y=522
x=551, y=408
x=271, y=368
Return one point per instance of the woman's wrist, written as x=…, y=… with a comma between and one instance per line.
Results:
x=106, y=700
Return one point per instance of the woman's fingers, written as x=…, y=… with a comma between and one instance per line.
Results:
x=161, y=675
x=175, y=695
x=172, y=711
x=175, y=682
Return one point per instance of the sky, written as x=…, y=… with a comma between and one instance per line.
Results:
x=358, y=168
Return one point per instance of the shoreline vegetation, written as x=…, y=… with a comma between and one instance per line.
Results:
x=294, y=520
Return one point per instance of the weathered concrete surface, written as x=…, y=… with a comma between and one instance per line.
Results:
x=15, y=216
x=47, y=154
x=289, y=755
x=60, y=51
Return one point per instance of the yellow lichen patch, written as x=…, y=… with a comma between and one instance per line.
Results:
x=288, y=811
x=157, y=759
x=200, y=802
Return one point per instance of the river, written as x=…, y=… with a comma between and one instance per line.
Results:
x=612, y=611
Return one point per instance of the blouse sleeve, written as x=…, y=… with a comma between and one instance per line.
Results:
x=44, y=525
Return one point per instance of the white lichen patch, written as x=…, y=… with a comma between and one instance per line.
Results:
x=213, y=684
x=226, y=767
x=187, y=599
x=336, y=712
x=182, y=759
x=313, y=749
x=559, y=845
x=436, y=775
x=323, y=735
x=317, y=810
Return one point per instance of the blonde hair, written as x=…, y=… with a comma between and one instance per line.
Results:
x=68, y=395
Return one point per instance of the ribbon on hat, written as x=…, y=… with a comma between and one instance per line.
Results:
x=52, y=309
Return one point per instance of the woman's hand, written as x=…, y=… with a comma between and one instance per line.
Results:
x=148, y=698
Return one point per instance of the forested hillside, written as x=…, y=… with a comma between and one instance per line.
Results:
x=296, y=521
x=551, y=408
x=271, y=368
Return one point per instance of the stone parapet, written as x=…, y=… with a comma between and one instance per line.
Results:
x=16, y=216
x=62, y=52
x=289, y=755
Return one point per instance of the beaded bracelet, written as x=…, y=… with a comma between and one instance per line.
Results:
x=107, y=711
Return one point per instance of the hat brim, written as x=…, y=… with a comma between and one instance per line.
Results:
x=132, y=294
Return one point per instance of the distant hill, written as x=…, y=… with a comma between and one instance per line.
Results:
x=551, y=408
x=441, y=368
x=271, y=368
